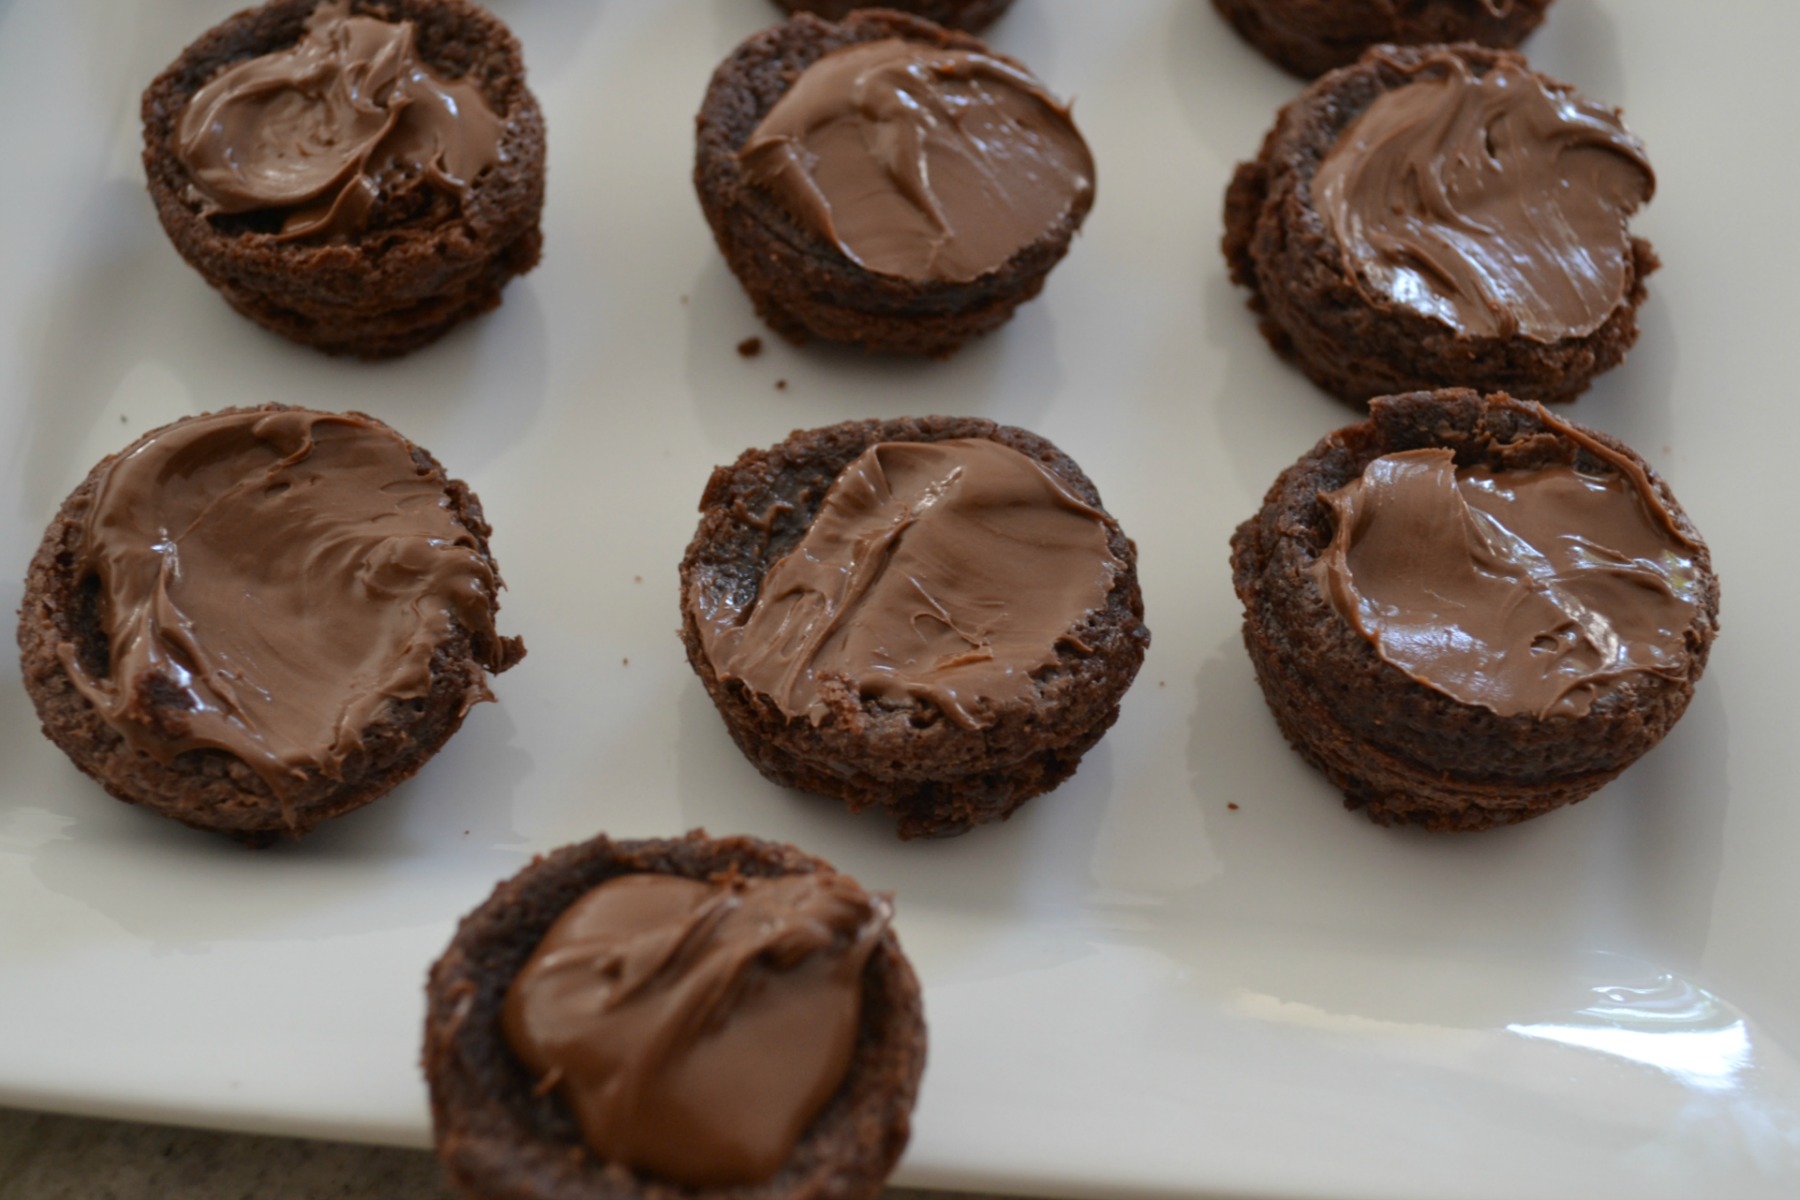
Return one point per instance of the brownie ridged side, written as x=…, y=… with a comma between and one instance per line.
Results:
x=1310, y=37
x=933, y=776
x=427, y=262
x=499, y=1140
x=1355, y=347
x=1405, y=752
x=969, y=15
x=803, y=286
x=213, y=789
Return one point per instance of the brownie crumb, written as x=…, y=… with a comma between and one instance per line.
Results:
x=781, y=385
x=1232, y=805
x=750, y=347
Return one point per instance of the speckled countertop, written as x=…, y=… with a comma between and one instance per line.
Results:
x=47, y=1157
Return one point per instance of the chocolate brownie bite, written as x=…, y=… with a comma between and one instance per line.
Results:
x=571, y=1055
x=357, y=175
x=970, y=15
x=257, y=619
x=935, y=617
x=1467, y=612
x=886, y=183
x=1311, y=37
x=1443, y=216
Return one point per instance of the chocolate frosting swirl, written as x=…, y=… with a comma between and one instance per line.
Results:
x=920, y=162
x=269, y=579
x=1527, y=591
x=697, y=1029
x=945, y=572
x=1495, y=203
x=321, y=131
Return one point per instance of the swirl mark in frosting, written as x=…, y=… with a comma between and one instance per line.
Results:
x=1528, y=591
x=321, y=130
x=1493, y=203
x=696, y=1029
x=919, y=162
x=946, y=572
x=268, y=580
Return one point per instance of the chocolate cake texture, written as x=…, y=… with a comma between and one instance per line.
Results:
x=1311, y=37
x=971, y=16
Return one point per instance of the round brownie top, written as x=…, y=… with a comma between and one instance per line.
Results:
x=324, y=122
x=921, y=161
x=319, y=130
x=268, y=580
x=503, y=1135
x=1523, y=591
x=946, y=572
x=1493, y=200
x=697, y=1027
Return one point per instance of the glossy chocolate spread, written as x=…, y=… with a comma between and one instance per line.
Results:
x=320, y=130
x=269, y=580
x=919, y=162
x=696, y=1029
x=1494, y=203
x=937, y=572
x=1522, y=591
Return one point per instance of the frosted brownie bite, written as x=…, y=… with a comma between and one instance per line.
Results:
x=886, y=183
x=357, y=175
x=1467, y=612
x=684, y=1017
x=1443, y=216
x=934, y=617
x=1310, y=37
x=258, y=619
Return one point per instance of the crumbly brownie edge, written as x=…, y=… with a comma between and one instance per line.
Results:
x=970, y=16
x=1407, y=752
x=500, y=1141
x=1310, y=37
x=212, y=789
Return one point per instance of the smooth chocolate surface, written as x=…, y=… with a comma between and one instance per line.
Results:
x=269, y=579
x=1491, y=202
x=945, y=572
x=319, y=130
x=921, y=162
x=1521, y=591
x=697, y=1028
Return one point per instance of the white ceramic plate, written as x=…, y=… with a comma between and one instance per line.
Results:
x=1132, y=988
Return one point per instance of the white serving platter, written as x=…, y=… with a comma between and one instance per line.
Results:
x=1132, y=988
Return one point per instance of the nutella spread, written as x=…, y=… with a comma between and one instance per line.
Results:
x=268, y=581
x=1491, y=202
x=696, y=1029
x=943, y=572
x=919, y=162
x=319, y=131
x=1526, y=591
